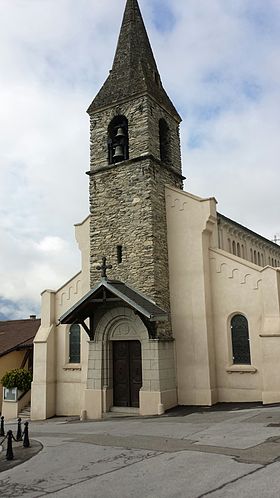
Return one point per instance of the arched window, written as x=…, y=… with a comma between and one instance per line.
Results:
x=118, y=140
x=255, y=257
x=74, y=343
x=240, y=340
x=234, y=248
x=251, y=255
x=164, y=141
x=238, y=249
x=229, y=245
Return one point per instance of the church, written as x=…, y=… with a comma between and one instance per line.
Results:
x=175, y=303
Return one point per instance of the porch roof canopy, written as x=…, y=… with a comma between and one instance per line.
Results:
x=108, y=292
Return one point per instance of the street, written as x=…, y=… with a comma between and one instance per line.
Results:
x=215, y=452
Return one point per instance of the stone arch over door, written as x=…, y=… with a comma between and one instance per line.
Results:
x=117, y=324
x=158, y=390
x=121, y=324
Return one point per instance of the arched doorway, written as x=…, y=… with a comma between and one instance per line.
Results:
x=122, y=336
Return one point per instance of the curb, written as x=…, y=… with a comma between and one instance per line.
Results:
x=21, y=454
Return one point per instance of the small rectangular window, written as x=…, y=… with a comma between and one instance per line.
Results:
x=119, y=254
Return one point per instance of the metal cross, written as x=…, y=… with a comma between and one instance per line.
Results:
x=104, y=267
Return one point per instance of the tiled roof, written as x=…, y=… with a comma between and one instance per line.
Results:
x=17, y=334
x=134, y=299
x=137, y=300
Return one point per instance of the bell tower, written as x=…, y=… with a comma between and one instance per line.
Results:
x=134, y=153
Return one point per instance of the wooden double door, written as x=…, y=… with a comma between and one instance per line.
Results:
x=127, y=373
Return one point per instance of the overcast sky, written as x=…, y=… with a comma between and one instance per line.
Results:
x=220, y=63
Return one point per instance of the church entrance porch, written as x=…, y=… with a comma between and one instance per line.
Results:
x=127, y=373
x=127, y=365
x=127, y=369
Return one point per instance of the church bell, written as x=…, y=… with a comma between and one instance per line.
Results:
x=118, y=153
x=120, y=133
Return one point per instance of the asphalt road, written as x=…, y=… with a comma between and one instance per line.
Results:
x=190, y=454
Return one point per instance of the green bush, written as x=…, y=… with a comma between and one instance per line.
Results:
x=19, y=378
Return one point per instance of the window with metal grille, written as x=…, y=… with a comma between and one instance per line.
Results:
x=240, y=340
x=74, y=344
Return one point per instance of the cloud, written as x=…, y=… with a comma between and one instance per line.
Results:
x=51, y=244
x=219, y=62
x=11, y=310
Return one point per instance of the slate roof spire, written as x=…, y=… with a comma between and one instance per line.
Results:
x=134, y=70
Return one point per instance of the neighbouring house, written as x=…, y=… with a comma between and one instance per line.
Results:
x=16, y=345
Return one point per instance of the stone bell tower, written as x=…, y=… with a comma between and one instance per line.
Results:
x=134, y=153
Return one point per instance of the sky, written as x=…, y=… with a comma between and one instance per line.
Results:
x=219, y=62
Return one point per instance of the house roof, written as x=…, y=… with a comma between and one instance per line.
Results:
x=113, y=290
x=134, y=70
x=17, y=334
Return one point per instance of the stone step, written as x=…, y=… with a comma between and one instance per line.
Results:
x=127, y=410
x=117, y=412
x=25, y=412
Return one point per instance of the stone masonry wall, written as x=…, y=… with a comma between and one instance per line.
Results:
x=143, y=116
x=128, y=200
x=154, y=115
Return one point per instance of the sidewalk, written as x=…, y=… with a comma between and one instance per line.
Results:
x=21, y=454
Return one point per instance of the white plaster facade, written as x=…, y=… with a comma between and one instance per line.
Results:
x=58, y=385
x=208, y=285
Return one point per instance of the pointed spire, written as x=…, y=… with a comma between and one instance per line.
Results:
x=134, y=70
x=133, y=44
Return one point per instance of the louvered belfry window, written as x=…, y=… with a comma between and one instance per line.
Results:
x=74, y=344
x=240, y=340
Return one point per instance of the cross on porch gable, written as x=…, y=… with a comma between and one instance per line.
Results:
x=104, y=267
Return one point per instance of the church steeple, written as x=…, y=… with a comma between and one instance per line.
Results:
x=134, y=154
x=134, y=70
